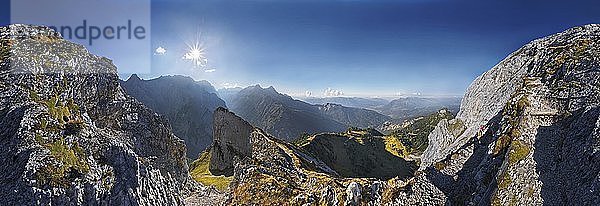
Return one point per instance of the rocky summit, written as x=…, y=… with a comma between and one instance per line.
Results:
x=71, y=136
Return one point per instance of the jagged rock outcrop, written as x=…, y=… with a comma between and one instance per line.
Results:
x=230, y=139
x=527, y=132
x=71, y=136
x=186, y=103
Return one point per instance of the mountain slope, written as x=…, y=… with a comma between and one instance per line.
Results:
x=281, y=115
x=228, y=94
x=187, y=104
x=357, y=154
x=413, y=133
x=71, y=136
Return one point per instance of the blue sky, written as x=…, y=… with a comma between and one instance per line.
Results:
x=361, y=48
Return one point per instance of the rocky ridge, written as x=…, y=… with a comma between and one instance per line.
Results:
x=71, y=136
x=527, y=131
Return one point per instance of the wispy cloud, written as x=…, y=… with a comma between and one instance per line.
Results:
x=329, y=92
x=210, y=70
x=228, y=85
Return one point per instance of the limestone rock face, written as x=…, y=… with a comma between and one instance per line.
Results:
x=527, y=132
x=71, y=136
x=231, y=138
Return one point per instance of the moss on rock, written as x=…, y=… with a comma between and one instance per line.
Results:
x=518, y=151
x=71, y=164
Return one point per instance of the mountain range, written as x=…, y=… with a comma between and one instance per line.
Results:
x=410, y=107
x=187, y=104
x=357, y=102
x=281, y=115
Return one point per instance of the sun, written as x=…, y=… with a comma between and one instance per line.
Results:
x=196, y=55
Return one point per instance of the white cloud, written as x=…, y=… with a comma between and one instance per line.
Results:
x=308, y=93
x=160, y=51
x=329, y=92
x=228, y=85
x=210, y=70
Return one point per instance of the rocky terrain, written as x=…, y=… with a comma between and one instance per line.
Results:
x=526, y=133
x=269, y=171
x=71, y=136
x=187, y=104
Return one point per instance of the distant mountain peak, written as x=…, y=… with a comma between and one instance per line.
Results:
x=134, y=77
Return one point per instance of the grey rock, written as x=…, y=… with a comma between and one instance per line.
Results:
x=71, y=136
x=526, y=133
x=353, y=195
x=231, y=138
